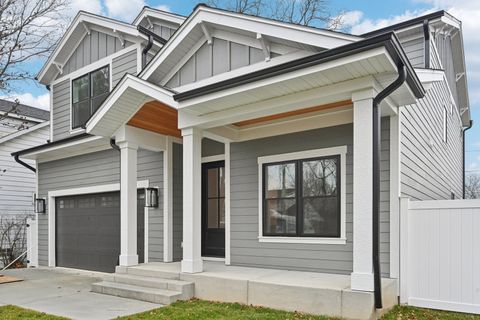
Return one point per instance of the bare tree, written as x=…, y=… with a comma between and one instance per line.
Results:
x=29, y=29
x=304, y=12
x=13, y=240
x=472, y=186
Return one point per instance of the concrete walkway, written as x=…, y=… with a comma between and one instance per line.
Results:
x=66, y=293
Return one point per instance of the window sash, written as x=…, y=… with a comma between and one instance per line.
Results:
x=77, y=123
x=300, y=199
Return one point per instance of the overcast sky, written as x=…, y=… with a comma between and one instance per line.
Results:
x=361, y=16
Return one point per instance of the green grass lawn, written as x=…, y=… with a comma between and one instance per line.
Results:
x=200, y=310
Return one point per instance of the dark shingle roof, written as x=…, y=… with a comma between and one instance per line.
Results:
x=24, y=110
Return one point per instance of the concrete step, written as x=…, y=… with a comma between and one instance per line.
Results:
x=154, y=295
x=185, y=287
x=147, y=271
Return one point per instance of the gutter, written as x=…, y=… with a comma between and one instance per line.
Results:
x=470, y=125
x=26, y=165
x=152, y=36
x=114, y=145
x=402, y=77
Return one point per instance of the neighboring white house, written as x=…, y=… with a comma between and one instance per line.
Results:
x=25, y=127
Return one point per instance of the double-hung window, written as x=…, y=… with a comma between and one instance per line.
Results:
x=301, y=198
x=88, y=93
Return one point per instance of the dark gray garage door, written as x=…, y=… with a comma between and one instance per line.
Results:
x=88, y=231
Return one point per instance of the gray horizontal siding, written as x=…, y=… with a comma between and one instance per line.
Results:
x=246, y=250
x=94, y=169
x=61, y=110
x=17, y=183
x=92, y=48
x=126, y=63
x=430, y=168
x=415, y=50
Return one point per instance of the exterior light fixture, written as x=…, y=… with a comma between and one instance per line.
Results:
x=151, y=197
x=39, y=205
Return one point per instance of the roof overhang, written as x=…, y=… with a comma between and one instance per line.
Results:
x=81, y=25
x=126, y=99
x=65, y=148
x=20, y=133
x=334, y=74
x=428, y=76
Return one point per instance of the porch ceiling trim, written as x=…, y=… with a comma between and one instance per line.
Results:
x=130, y=94
x=389, y=41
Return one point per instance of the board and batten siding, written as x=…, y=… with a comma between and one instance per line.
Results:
x=430, y=168
x=220, y=57
x=93, y=47
x=17, y=183
x=246, y=250
x=100, y=168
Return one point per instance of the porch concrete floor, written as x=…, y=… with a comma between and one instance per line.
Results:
x=310, y=292
x=66, y=293
x=280, y=277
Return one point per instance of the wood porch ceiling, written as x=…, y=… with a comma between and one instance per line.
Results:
x=157, y=117
x=282, y=115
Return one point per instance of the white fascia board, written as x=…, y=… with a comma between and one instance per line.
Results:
x=22, y=132
x=129, y=81
x=35, y=154
x=79, y=22
x=158, y=14
x=291, y=32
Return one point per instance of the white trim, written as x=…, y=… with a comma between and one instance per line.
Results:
x=76, y=191
x=342, y=151
x=213, y=259
x=51, y=112
x=168, y=201
x=158, y=14
x=218, y=157
x=395, y=145
x=444, y=204
x=303, y=240
x=227, y=204
x=16, y=134
x=65, y=145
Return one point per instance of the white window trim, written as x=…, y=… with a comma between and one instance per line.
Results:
x=334, y=151
x=110, y=69
x=79, y=191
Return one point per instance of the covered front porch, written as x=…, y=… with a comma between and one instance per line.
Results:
x=309, y=292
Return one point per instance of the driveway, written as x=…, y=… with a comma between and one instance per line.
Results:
x=66, y=293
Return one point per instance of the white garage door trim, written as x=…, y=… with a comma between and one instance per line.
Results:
x=79, y=191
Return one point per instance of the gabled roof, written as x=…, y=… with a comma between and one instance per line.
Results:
x=81, y=25
x=20, y=133
x=23, y=110
x=148, y=12
x=204, y=21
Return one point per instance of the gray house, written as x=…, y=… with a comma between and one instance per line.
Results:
x=276, y=152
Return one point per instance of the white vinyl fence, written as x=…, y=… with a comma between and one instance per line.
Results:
x=440, y=254
x=32, y=243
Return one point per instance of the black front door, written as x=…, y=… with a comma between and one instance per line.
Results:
x=213, y=209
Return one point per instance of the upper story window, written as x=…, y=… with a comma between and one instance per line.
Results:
x=88, y=93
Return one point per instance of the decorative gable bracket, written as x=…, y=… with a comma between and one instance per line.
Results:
x=59, y=66
x=265, y=46
x=206, y=32
x=120, y=37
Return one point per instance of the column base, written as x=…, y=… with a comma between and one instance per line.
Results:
x=192, y=266
x=128, y=260
x=362, y=281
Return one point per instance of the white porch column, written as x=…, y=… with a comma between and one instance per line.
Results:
x=168, y=201
x=128, y=203
x=192, y=191
x=362, y=275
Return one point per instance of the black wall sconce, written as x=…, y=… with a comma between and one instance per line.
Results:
x=151, y=197
x=39, y=205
